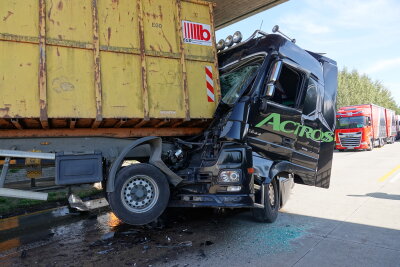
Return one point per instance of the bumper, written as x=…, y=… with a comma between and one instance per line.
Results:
x=362, y=146
x=213, y=201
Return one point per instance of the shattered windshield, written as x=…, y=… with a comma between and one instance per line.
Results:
x=351, y=122
x=233, y=82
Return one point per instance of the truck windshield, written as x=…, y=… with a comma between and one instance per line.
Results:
x=351, y=122
x=235, y=80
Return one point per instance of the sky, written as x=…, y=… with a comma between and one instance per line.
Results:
x=359, y=34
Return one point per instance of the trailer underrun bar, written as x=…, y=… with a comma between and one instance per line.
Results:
x=8, y=154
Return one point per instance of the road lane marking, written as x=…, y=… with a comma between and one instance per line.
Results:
x=395, y=178
x=387, y=175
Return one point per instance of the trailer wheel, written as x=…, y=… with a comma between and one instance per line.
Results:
x=371, y=145
x=381, y=142
x=271, y=203
x=141, y=194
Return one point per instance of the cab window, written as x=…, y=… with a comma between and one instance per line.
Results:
x=288, y=87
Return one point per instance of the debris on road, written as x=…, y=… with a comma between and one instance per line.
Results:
x=178, y=245
x=186, y=231
x=103, y=252
x=76, y=202
x=108, y=236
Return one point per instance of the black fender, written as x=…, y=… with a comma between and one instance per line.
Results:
x=262, y=167
x=268, y=169
x=155, y=160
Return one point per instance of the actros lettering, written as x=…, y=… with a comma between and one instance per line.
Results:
x=296, y=128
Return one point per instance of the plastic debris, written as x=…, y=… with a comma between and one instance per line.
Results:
x=108, y=236
x=178, y=245
x=76, y=202
x=103, y=252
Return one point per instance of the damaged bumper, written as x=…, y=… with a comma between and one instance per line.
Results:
x=214, y=201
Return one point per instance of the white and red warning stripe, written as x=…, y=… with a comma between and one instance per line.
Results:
x=210, y=84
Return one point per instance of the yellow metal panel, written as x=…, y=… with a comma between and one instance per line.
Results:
x=70, y=83
x=122, y=96
x=199, y=105
x=160, y=26
x=198, y=14
x=69, y=20
x=19, y=17
x=118, y=23
x=19, y=92
x=165, y=89
x=70, y=71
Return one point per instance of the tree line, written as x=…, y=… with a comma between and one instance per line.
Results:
x=355, y=88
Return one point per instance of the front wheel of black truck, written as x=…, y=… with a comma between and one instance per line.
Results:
x=269, y=212
x=141, y=194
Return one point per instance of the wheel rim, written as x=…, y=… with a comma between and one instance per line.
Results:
x=139, y=193
x=271, y=193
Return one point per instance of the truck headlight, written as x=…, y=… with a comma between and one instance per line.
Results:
x=231, y=176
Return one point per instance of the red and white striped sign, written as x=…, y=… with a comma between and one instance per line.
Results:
x=210, y=84
x=196, y=33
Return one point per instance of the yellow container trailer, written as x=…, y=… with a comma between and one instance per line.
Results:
x=96, y=67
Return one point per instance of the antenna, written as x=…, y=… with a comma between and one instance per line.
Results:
x=262, y=21
x=276, y=29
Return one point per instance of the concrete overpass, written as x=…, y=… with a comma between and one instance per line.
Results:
x=231, y=11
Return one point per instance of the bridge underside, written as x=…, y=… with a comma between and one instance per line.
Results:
x=231, y=11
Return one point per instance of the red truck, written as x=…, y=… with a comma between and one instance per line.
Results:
x=397, y=127
x=390, y=126
x=362, y=127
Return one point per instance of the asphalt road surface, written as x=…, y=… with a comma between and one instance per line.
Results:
x=356, y=222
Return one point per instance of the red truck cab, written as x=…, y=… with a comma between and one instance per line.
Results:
x=360, y=127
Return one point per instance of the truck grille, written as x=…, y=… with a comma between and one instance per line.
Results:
x=350, y=140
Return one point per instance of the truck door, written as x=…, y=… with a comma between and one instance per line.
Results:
x=296, y=121
x=307, y=148
x=273, y=126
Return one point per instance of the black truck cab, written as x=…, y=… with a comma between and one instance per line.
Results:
x=285, y=106
x=273, y=126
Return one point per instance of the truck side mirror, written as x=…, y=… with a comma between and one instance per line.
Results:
x=270, y=90
x=276, y=70
x=368, y=121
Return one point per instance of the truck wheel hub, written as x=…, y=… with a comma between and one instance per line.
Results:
x=139, y=193
x=271, y=194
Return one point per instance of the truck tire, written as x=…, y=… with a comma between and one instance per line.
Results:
x=381, y=142
x=271, y=204
x=141, y=194
x=371, y=145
